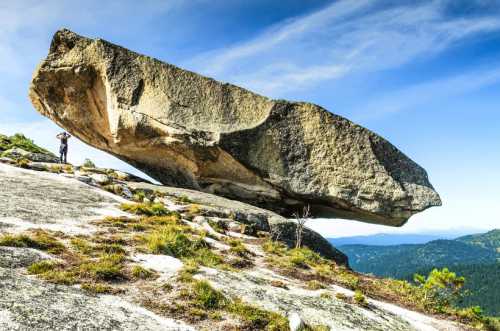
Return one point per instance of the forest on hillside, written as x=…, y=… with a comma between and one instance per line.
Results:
x=475, y=257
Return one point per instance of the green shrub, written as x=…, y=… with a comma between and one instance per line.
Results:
x=359, y=298
x=23, y=163
x=139, y=196
x=207, y=297
x=304, y=257
x=55, y=168
x=441, y=287
x=274, y=247
x=87, y=163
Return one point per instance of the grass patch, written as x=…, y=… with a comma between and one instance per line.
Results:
x=317, y=328
x=176, y=240
x=109, y=267
x=62, y=277
x=113, y=188
x=194, y=209
x=146, y=209
x=184, y=199
x=139, y=196
x=98, y=288
x=258, y=319
x=41, y=267
x=139, y=272
x=315, y=285
x=218, y=226
x=274, y=247
x=87, y=163
x=111, y=248
x=212, y=303
x=83, y=246
x=37, y=240
x=237, y=247
x=55, y=168
x=207, y=297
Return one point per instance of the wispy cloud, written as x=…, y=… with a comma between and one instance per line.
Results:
x=27, y=25
x=343, y=38
x=419, y=94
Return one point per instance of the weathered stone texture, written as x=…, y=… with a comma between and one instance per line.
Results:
x=190, y=131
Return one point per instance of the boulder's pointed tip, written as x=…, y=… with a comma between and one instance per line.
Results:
x=63, y=40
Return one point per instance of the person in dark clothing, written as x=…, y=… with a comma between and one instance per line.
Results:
x=63, y=149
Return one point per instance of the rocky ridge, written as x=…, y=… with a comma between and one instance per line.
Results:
x=53, y=222
x=189, y=131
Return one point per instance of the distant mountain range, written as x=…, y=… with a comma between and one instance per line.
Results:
x=400, y=238
x=476, y=257
x=382, y=239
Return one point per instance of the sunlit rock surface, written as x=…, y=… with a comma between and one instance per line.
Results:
x=190, y=131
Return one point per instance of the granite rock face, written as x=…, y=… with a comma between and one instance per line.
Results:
x=189, y=131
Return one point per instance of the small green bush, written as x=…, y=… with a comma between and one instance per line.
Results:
x=87, y=163
x=359, y=298
x=23, y=163
x=139, y=196
x=207, y=297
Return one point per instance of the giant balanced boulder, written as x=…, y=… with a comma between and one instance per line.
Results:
x=191, y=131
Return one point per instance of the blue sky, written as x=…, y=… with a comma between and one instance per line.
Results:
x=423, y=74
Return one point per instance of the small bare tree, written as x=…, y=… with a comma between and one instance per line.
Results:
x=301, y=222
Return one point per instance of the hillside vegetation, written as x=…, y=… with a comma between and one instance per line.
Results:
x=20, y=141
x=474, y=257
x=489, y=240
x=482, y=286
x=400, y=260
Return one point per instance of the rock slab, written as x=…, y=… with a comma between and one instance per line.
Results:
x=190, y=131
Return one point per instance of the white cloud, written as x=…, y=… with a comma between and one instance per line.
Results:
x=345, y=37
x=420, y=94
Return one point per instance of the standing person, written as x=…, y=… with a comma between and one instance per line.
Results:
x=63, y=149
